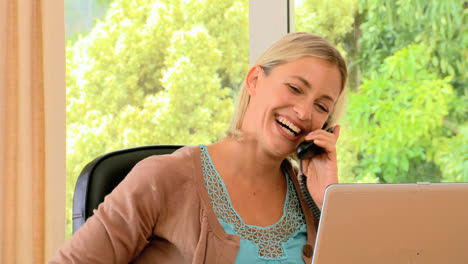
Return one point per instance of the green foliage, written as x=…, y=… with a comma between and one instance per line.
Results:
x=228, y=23
x=332, y=19
x=440, y=26
x=348, y=158
x=396, y=115
x=337, y=21
x=193, y=108
x=451, y=154
x=80, y=16
x=153, y=72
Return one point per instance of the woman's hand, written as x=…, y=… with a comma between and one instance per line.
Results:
x=321, y=170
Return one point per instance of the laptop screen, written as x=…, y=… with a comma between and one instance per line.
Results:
x=394, y=223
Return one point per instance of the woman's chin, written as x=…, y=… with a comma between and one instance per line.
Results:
x=282, y=149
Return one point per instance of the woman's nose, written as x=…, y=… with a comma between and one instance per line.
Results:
x=303, y=111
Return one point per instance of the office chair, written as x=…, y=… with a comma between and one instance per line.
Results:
x=103, y=174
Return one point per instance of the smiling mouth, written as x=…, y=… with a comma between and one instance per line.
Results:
x=288, y=127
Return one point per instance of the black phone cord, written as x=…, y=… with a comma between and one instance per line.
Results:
x=305, y=192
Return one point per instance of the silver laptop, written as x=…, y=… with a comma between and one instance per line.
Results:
x=394, y=223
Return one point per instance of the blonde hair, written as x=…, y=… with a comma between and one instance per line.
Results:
x=289, y=48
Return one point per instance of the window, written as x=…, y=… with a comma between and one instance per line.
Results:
x=150, y=72
x=407, y=115
x=136, y=70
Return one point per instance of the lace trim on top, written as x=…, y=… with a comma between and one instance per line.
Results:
x=269, y=240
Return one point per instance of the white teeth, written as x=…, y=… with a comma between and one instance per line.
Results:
x=288, y=131
x=293, y=127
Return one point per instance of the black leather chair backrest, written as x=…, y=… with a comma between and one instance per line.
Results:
x=103, y=174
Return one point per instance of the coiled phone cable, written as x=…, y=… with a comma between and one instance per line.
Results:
x=305, y=192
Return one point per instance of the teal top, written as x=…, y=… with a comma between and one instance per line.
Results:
x=278, y=243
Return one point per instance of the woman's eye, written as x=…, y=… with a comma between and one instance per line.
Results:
x=322, y=108
x=294, y=89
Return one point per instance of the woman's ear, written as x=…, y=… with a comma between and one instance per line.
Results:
x=252, y=79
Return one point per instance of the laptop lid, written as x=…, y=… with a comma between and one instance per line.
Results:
x=394, y=223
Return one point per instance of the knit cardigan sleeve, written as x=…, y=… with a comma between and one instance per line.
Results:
x=120, y=227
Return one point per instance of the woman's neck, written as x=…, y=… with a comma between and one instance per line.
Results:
x=246, y=161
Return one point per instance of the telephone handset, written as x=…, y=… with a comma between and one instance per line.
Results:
x=308, y=149
x=305, y=150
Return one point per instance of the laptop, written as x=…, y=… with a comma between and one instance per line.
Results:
x=394, y=223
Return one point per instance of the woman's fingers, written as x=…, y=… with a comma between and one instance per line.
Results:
x=336, y=131
x=320, y=132
x=325, y=139
x=321, y=170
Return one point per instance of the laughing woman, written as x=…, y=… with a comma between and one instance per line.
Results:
x=237, y=200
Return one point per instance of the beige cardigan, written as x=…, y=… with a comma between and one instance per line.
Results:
x=161, y=213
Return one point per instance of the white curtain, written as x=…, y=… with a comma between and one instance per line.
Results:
x=32, y=130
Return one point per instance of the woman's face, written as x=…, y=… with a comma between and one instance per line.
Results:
x=293, y=100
